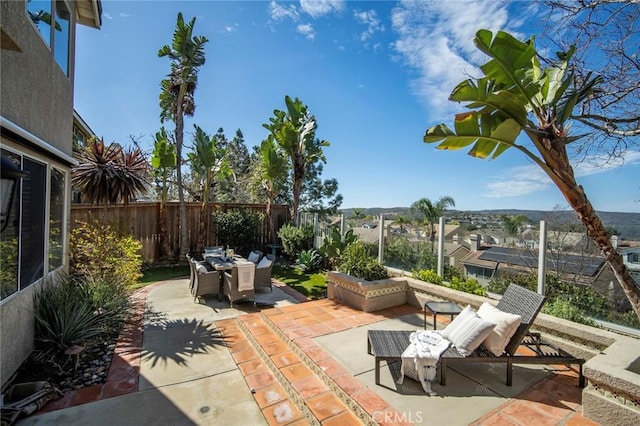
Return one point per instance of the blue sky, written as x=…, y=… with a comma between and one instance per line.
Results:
x=375, y=74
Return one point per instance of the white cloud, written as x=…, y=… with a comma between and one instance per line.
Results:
x=370, y=19
x=306, y=30
x=523, y=180
x=435, y=39
x=108, y=16
x=318, y=8
x=279, y=12
x=125, y=15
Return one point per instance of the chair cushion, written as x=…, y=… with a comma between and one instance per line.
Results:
x=264, y=263
x=467, y=331
x=253, y=257
x=201, y=268
x=506, y=326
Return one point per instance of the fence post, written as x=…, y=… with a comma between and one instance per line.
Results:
x=542, y=257
x=441, y=247
x=381, y=239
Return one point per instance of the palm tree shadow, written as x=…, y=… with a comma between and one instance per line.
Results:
x=179, y=340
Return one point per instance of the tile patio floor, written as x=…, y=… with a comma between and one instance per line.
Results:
x=296, y=363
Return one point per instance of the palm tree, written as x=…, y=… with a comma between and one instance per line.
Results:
x=431, y=212
x=402, y=220
x=208, y=161
x=177, y=97
x=163, y=162
x=273, y=170
x=294, y=131
x=513, y=224
x=107, y=174
x=516, y=95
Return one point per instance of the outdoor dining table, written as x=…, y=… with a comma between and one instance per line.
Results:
x=222, y=264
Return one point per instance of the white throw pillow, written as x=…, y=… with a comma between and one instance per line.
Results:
x=506, y=326
x=264, y=263
x=448, y=330
x=253, y=257
x=467, y=331
x=201, y=268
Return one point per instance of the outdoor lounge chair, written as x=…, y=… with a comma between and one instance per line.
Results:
x=516, y=300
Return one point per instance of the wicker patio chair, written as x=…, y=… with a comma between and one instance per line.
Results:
x=263, y=273
x=205, y=281
x=231, y=280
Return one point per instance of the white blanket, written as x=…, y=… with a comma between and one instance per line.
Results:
x=422, y=356
x=246, y=276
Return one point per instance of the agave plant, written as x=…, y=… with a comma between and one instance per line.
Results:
x=308, y=260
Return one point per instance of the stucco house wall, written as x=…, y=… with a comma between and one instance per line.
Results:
x=36, y=121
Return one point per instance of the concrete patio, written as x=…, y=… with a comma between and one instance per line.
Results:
x=287, y=362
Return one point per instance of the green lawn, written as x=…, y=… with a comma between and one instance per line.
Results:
x=161, y=273
x=311, y=285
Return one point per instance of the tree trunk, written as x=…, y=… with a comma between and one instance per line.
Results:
x=272, y=228
x=564, y=179
x=184, y=242
x=164, y=236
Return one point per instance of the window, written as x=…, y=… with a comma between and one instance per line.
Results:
x=61, y=40
x=56, y=38
x=32, y=239
x=40, y=14
x=9, y=241
x=633, y=257
x=56, y=218
x=27, y=251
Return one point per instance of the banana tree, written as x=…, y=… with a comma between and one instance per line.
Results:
x=516, y=96
x=163, y=162
x=177, y=97
x=294, y=131
x=273, y=171
x=208, y=161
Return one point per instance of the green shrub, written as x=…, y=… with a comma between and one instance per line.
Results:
x=308, y=260
x=402, y=254
x=296, y=239
x=334, y=245
x=470, y=285
x=77, y=312
x=428, y=275
x=98, y=250
x=240, y=229
x=583, y=298
x=563, y=308
x=358, y=262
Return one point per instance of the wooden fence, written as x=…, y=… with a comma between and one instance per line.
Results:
x=142, y=221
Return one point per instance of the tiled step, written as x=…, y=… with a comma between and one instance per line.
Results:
x=286, y=389
x=294, y=379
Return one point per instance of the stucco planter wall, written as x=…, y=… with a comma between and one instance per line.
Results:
x=367, y=296
x=612, y=394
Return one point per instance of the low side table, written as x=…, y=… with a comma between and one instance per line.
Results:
x=444, y=308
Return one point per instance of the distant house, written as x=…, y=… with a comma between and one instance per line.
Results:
x=484, y=263
x=36, y=120
x=631, y=259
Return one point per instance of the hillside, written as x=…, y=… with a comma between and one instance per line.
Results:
x=627, y=224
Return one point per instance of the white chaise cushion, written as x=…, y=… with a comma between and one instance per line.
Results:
x=506, y=326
